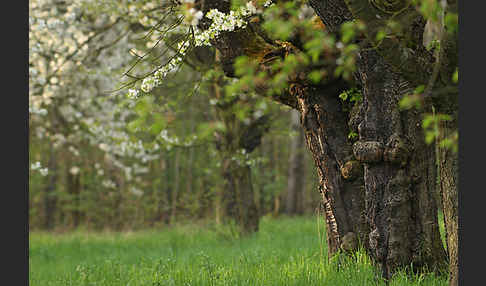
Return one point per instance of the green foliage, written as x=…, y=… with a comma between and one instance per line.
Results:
x=380, y=35
x=455, y=76
x=430, y=9
x=348, y=49
x=246, y=70
x=349, y=31
x=431, y=124
x=412, y=100
x=352, y=135
x=280, y=20
x=347, y=61
x=450, y=142
x=352, y=95
x=235, y=4
x=432, y=127
x=451, y=22
x=434, y=44
x=315, y=76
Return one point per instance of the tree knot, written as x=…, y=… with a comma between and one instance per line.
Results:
x=351, y=170
x=368, y=151
x=396, y=150
x=390, y=6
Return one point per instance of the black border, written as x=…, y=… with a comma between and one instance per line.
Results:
x=471, y=109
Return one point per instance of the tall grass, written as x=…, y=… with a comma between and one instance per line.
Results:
x=286, y=251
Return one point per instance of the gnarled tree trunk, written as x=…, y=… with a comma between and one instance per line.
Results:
x=380, y=189
x=399, y=173
x=340, y=175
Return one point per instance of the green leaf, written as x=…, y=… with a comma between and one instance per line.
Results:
x=352, y=135
x=315, y=76
x=455, y=76
x=343, y=96
x=158, y=125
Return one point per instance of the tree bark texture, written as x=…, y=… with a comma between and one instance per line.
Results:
x=400, y=206
x=448, y=184
x=340, y=180
x=399, y=173
x=448, y=160
x=449, y=170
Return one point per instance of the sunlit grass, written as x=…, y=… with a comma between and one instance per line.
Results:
x=286, y=251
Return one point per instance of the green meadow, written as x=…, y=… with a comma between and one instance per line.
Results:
x=286, y=251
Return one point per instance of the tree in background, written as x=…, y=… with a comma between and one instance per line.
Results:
x=101, y=159
x=296, y=174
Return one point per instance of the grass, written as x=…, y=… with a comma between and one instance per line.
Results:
x=286, y=251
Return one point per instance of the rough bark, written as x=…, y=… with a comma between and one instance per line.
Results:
x=448, y=183
x=449, y=169
x=340, y=181
x=400, y=205
x=448, y=164
x=399, y=174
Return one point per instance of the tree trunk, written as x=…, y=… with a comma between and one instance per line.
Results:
x=239, y=201
x=379, y=190
x=448, y=159
x=73, y=188
x=175, y=191
x=449, y=170
x=50, y=198
x=340, y=175
x=295, y=181
x=168, y=190
x=237, y=195
x=276, y=194
x=399, y=174
x=188, y=175
x=448, y=183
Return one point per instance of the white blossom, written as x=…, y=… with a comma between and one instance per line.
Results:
x=133, y=93
x=37, y=167
x=220, y=22
x=136, y=192
x=43, y=171
x=74, y=170
x=194, y=16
